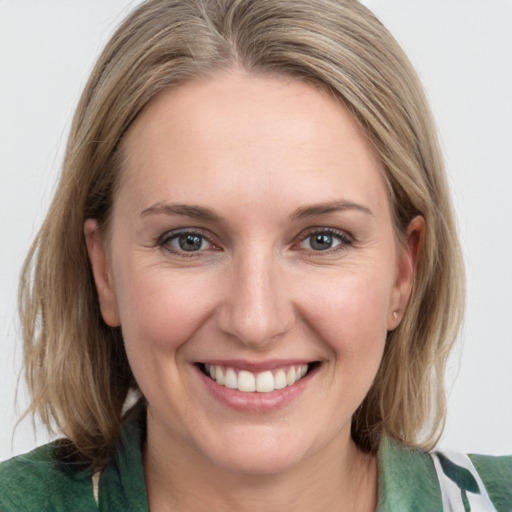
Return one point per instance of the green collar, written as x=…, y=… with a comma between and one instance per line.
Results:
x=122, y=484
x=407, y=479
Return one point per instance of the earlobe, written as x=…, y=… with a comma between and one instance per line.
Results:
x=102, y=276
x=407, y=263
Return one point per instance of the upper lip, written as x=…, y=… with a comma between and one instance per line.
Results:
x=255, y=366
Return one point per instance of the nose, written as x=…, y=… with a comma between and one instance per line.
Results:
x=256, y=309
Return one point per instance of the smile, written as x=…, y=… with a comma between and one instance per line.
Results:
x=262, y=382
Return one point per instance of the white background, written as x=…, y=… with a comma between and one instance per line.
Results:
x=462, y=50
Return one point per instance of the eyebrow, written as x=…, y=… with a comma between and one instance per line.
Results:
x=207, y=214
x=325, y=208
x=186, y=210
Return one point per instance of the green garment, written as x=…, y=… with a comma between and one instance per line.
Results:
x=38, y=482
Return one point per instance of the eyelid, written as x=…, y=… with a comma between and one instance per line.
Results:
x=172, y=233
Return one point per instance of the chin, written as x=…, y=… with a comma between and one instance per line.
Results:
x=257, y=453
x=258, y=461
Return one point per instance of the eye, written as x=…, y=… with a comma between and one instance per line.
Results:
x=325, y=240
x=185, y=241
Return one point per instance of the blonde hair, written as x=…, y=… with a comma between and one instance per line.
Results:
x=76, y=367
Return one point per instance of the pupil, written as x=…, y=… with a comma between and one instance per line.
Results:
x=190, y=242
x=321, y=242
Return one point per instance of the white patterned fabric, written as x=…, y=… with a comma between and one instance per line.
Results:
x=452, y=493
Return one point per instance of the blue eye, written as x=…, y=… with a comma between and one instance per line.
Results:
x=190, y=242
x=185, y=242
x=324, y=240
x=321, y=242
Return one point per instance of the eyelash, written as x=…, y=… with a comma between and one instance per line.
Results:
x=344, y=241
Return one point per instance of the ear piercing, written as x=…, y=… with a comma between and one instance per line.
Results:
x=395, y=318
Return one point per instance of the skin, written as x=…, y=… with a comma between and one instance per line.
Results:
x=261, y=153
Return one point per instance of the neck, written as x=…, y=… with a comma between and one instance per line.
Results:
x=339, y=478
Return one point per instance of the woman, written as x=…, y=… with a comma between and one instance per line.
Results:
x=250, y=239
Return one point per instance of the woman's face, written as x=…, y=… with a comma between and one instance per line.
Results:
x=251, y=239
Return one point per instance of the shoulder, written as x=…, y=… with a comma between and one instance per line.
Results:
x=496, y=474
x=38, y=481
x=409, y=477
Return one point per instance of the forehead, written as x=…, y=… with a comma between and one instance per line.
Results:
x=239, y=134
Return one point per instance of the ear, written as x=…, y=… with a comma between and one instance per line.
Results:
x=406, y=268
x=102, y=276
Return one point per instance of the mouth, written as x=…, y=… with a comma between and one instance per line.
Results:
x=265, y=381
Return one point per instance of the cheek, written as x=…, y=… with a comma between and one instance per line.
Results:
x=160, y=310
x=349, y=311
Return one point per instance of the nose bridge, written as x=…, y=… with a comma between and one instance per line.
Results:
x=257, y=309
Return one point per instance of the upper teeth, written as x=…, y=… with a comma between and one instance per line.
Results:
x=263, y=382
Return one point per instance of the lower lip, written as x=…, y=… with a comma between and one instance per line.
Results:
x=255, y=402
